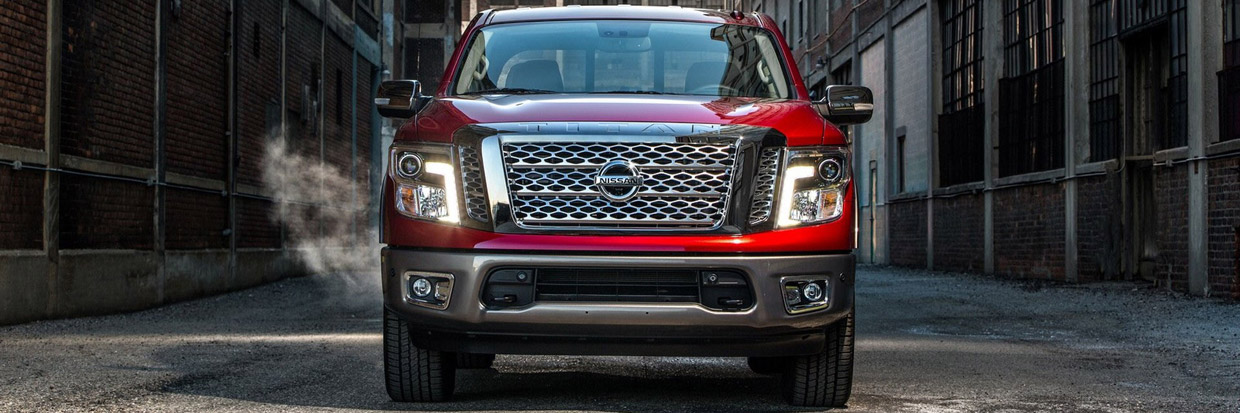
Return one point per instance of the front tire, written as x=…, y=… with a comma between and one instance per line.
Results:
x=824, y=379
x=414, y=374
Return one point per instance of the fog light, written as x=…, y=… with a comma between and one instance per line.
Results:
x=428, y=289
x=813, y=292
x=804, y=294
x=421, y=287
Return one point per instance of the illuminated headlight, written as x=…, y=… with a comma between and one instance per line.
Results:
x=814, y=186
x=425, y=183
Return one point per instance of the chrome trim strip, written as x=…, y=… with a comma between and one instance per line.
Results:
x=595, y=194
x=496, y=181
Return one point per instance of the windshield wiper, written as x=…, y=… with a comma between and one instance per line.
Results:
x=509, y=91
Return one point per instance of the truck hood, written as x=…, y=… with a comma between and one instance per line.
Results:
x=795, y=119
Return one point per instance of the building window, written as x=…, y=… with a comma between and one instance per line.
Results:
x=1160, y=119
x=1229, y=78
x=842, y=75
x=962, y=124
x=1231, y=33
x=1031, y=92
x=1106, y=130
x=900, y=161
x=801, y=19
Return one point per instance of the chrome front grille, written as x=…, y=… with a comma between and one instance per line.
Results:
x=472, y=182
x=764, y=186
x=684, y=185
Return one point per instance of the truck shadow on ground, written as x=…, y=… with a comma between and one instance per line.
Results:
x=345, y=377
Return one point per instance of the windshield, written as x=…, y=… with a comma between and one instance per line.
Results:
x=624, y=56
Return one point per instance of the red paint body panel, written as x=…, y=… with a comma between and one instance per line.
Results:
x=796, y=119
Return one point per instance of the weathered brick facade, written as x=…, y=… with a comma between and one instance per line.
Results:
x=97, y=213
x=1029, y=231
x=141, y=202
x=108, y=86
x=21, y=211
x=908, y=233
x=1171, y=205
x=1100, y=226
x=259, y=103
x=1224, y=226
x=197, y=90
x=23, y=33
x=960, y=233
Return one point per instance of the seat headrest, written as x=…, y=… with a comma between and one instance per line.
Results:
x=536, y=74
x=704, y=74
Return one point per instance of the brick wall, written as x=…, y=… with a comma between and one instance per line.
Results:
x=1224, y=218
x=841, y=24
x=21, y=211
x=338, y=105
x=254, y=220
x=197, y=90
x=108, y=106
x=960, y=233
x=23, y=32
x=1029, y=231
x=907, y=233
x=304, y=35
x=104, y=213
x=259, y=88
x=196, y=220
x=1099, y=228
x=1171, y=199
x=108, y=71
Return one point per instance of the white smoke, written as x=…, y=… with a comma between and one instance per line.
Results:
x=325, y=216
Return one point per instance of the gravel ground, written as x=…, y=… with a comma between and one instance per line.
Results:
x=927, y=342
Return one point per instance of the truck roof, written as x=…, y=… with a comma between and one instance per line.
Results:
x=621, y=12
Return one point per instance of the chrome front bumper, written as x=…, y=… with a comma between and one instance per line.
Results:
x=617, y=328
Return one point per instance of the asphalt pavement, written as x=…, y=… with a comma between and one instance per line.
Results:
x=927, y=342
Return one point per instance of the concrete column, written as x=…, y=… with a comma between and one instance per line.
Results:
x=234, y=57
x=1205, y=46
x=51, y=148
x=161, y=98
x=932, y=119
x=1076, y=115
x=992, y=16
x=283, y=132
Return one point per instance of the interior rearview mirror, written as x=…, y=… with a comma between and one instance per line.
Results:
x=846, y=105
x=400, y=98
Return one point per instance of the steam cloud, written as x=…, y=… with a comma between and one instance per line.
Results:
x=325, y=216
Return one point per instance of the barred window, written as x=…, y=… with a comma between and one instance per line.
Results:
x=1229, y=78
x=1031, y=93
x=1106, y=128
x=962, y=123
x=1231, y=33
x=1165, y=20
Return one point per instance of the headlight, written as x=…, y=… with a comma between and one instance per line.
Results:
x=425, y=182
x=814, y=186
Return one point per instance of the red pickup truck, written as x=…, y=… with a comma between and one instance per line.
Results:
x=620, y=180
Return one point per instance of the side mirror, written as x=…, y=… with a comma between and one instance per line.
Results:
x=400, y=98
x=846, y=105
